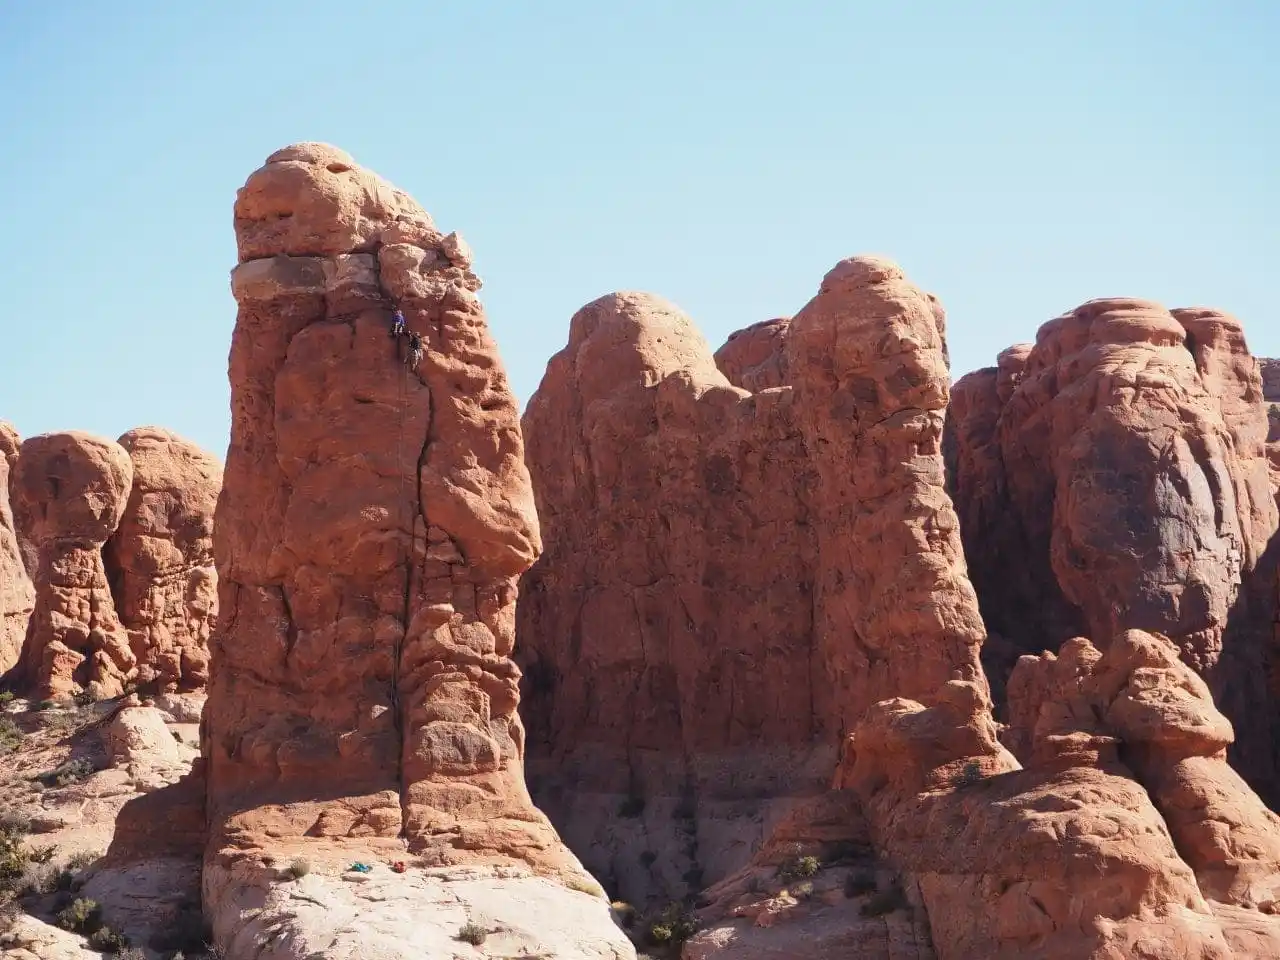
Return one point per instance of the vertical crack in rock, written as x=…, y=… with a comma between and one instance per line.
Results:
x=363, y=700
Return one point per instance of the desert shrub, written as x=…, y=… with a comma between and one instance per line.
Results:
x=884, y=901
x=674, y=925
x=472, y=933
x=802, y=890
x=67, y=773
x=970, y=774
x=13, y=853
x=106, y=940
x=10, y=736
x=82, y=916
x=298, y=868
x=6, y=697
x=80, y=860
x=796, y=868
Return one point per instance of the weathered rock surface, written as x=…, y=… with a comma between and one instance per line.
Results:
x=755, y=357
x=72, y=488
x=160, y=559
x=1114, y=476
x=1271, y=397
x=17, y=594
x=373, y=519
x=106, y=788
x=895, y=614
x=665, y=633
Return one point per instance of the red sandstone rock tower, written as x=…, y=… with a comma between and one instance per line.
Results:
x=160, y=559
x=17, y=595
x=372, y=523
x=72, y=489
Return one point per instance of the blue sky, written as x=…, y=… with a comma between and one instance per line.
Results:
x=1016, y=158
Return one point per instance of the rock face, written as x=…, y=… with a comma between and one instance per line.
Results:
x=1271, y=396
x=72, y=488
x=694, y=637
x=160, y=559
x=666, y=633
x=371, y=526
x=1114, y=476
x=17, y=595
x=755, y=358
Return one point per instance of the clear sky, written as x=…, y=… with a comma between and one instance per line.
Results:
x=1015, y=157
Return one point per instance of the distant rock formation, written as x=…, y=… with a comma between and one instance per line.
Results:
x=124, y=587
x=17, y=594
x=1114, y=476
x=72, y=488
x=160, y=559
x=371, y=527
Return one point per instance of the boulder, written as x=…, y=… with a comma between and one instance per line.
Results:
x=372, y=523
x=160, y=559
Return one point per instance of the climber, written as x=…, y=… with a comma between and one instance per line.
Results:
x=415, y=350
x=397, y=324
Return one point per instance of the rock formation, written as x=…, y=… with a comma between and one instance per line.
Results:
x=666, y=633
x=755, y=358
x=711, y=528
x=371, y=526
x=17, y=595
x=659, y=486
x=1113, y=477
x=1271, y=397
x=160, y=559
x=72, y=489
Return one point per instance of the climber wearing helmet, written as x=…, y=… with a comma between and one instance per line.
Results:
x=415, y=350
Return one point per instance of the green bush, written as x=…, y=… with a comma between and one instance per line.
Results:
x=83, y=916
x=10, y=736
x=797, y=868
x=106, y=940
x=68, y=773
x=674, y=925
